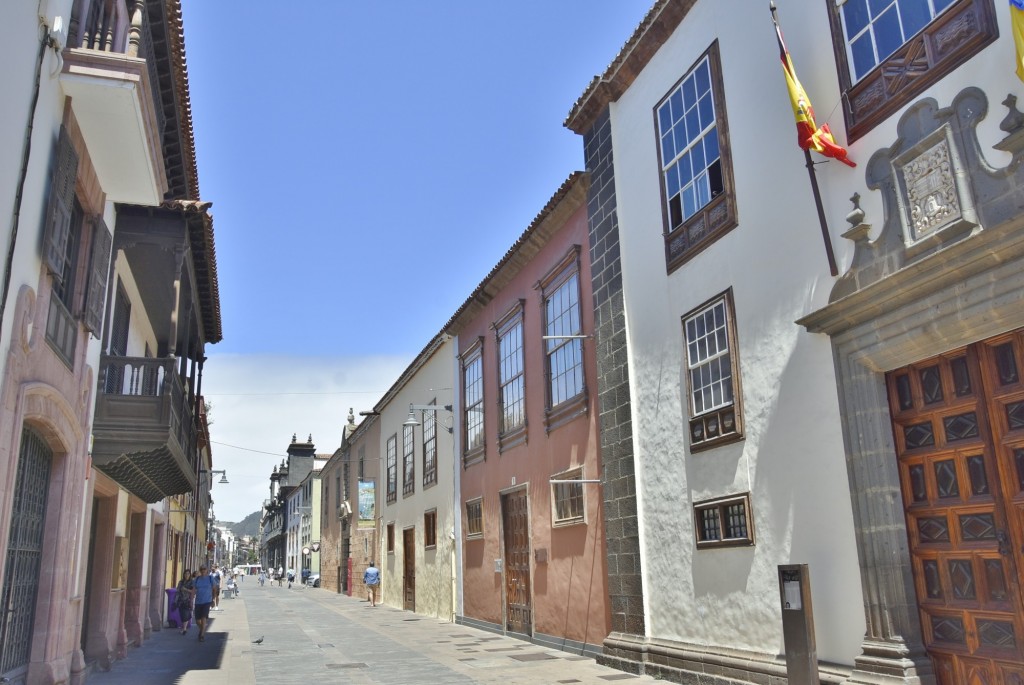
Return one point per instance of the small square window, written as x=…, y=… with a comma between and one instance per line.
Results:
x=391, y=538
x=430, y=528
x=567, y=498
x=724, y=522
x=475, y=518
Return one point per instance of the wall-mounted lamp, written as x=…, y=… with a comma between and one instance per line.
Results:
x=223, y=476
x=413, y=408
x=369, y=413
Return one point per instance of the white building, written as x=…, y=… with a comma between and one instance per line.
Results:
x=746, y=391
x=417, y=555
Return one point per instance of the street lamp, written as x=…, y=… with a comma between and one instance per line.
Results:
x=223, y=476
x=413, y=408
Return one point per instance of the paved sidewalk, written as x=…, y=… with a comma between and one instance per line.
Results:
x=170, y=658
x=317, y=636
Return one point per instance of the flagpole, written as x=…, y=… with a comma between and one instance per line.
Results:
x=821, y=214
x=802, y=107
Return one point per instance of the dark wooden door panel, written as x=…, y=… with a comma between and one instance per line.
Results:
x=516, y=528
x=953, y=419
x=409, y=567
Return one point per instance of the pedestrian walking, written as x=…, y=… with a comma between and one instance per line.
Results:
x=371, y=578
x=216, y=577
x=203, y=584
x=183, y=600
x=262, y=578
x=291, y=577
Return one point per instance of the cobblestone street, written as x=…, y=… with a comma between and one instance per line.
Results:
x=314, y=635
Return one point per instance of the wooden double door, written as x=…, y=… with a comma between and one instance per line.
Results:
x=958, y=425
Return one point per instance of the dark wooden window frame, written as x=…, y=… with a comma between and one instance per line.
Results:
x=408, y=461
x=391, y=537
x=514, y=435
x=559, y=414
x=720, y=506
x=430, y=446
x=430, y=529
x=951, y=39
x=719, y=216
x=475, y=519
x=473, y=355
x=715, y=420
x=392, y=468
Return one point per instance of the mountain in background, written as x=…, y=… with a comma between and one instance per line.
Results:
x=250, y=525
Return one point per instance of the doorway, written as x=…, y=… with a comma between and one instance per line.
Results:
x=958, y=425
x=24, y=556
x=516, y=531
x=409, y=568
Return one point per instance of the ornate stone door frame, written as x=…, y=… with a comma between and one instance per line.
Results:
x=901, y=302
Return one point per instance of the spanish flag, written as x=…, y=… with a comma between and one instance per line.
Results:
x=1017, y=26
x=810, y=136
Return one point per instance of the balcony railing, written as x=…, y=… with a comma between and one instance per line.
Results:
x=145, y=432
x=111, y=75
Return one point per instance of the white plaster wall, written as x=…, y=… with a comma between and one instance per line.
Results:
x=792, y=458
x=435, y=586
x=20, y=34
x=140, y=328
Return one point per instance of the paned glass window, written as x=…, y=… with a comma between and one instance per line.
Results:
x=693, y=152
x=567, y=498
x=875, y=29
x=429, y=447
x=430, y=528
x=711, y=372
x=890, y=52
x=392, y=466
x=408, y=461
x=473, y=391
x=475, y=518
x=510, y=374
x=724, y=522
x=691, y=164
x=564, y=352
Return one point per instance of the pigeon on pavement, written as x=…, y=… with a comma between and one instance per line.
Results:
x=258, y=641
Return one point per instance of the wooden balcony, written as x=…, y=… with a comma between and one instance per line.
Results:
x=109, y=72
x=144, y=431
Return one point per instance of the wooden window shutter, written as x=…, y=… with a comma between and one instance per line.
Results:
x=99, y=264
x=62, y=199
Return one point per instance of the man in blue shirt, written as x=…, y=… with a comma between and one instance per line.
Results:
x=371, y=578
x=203, y=585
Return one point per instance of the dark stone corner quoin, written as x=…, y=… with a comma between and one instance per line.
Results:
x=625, y=581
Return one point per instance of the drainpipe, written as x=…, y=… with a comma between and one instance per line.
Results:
x=49, y=39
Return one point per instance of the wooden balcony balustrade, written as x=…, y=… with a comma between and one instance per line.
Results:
x=145, y=434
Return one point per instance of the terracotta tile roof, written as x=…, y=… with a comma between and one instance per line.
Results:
x=661, y=20
x=205, y=257
x=550, y=219
x=176, y=39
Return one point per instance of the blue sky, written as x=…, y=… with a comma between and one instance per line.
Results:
x=369, y=162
